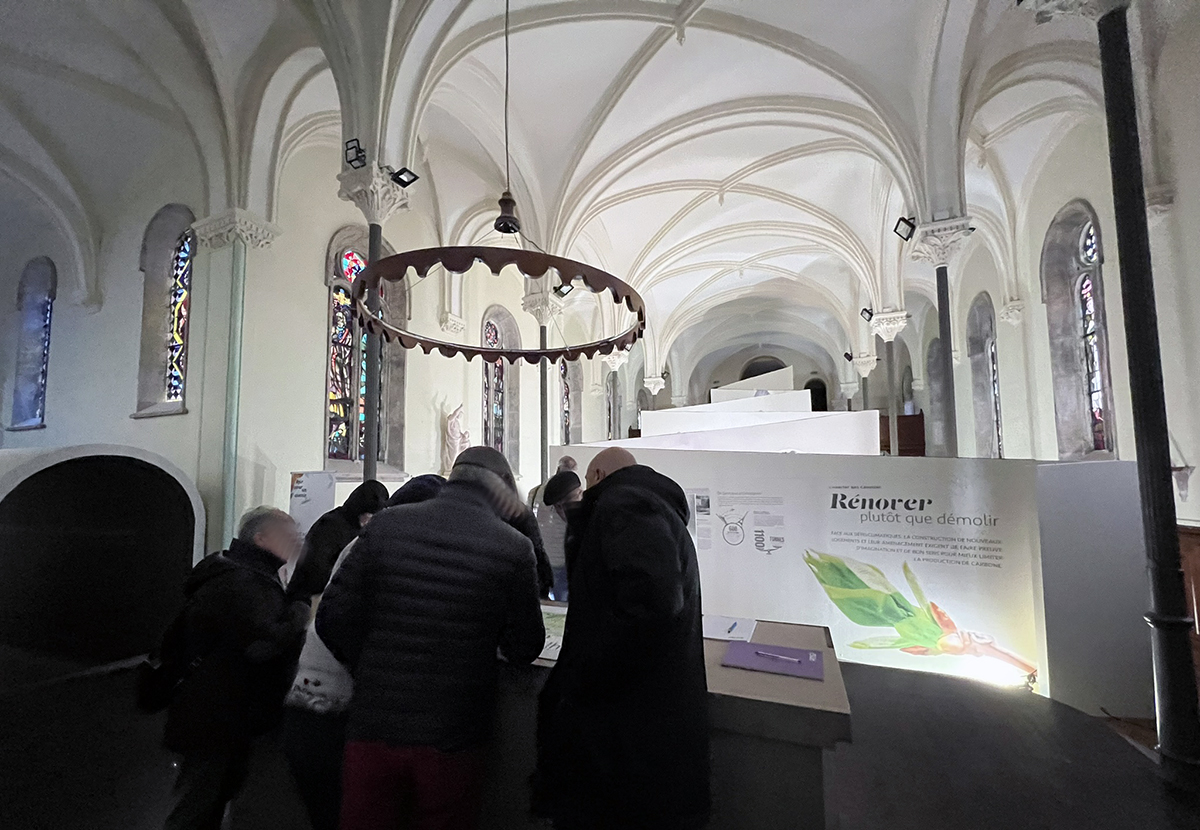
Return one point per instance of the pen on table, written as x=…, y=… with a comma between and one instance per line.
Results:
x=778, y=656
x=730, y=629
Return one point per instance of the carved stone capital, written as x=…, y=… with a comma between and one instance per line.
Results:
x=864, y=364
x=679, y=401
x=1047, y=10
x=221, y=229
x=377, y=196
x=938, y=242
x=850, y=388
x=654, y=385
x=453, y=324
x=543, y=305
x=1012, y=312
x=918, y=384
x=596, y=390
x=888, y=324
x=616, y=360
x=1160, y=200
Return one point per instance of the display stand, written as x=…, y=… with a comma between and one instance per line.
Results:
x=768, y=736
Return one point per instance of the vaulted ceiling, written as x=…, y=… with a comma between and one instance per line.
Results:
x=741, y=162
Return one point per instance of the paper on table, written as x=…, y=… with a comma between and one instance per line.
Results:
x=555, y=620
x=795, y=662
x=728, y=628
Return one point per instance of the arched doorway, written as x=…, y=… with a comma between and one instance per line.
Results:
x=762, y=366
x=94, y=552
x=820, y=395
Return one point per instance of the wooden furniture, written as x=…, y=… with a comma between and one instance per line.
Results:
x=769, y=735
x=912, y=434
x=1189, y=549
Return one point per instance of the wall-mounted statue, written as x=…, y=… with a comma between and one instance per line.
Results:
x=457, y=439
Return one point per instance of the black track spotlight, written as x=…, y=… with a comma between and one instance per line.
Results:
x=849, y=357
x=867, y=314
x=403, y=177
x=905, y=228
x=563, y=290
x=356, y=156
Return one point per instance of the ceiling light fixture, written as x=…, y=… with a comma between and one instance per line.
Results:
x=849, y=357
x=867, y=314
x=403, y=177
x=356, y=156
x=532, y=265
x=905, y=228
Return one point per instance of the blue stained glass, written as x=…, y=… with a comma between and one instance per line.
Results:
x=180, y=304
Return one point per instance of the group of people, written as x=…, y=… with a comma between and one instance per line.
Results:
x=377, y=660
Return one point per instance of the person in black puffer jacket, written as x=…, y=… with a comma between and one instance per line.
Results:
x=330, y=534
x=242, y=633
x=417, y=611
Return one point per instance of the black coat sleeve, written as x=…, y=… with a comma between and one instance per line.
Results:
x=639, y=549
x=342, y=614
x=524, y=634
x=328, y=536
x=527, y=524
x=262, y=628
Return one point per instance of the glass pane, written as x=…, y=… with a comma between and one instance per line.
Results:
x=352, y=265
x=1089, y=247
x=341, y=363
x=180, y=301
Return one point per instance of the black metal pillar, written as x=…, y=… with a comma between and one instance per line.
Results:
x=374, y=369
x=893, y=398
x=1174, y=674
x=949, y=413
x=866, y=400
x=544, y=367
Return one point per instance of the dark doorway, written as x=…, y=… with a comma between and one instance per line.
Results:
x=761, y=366
x=820, y=395
x=93, y=556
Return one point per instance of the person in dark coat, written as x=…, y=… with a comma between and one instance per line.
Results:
x=241, y=633
x=623, y=739
x=526, y=522
x=314, y=733
x=330, y=534
x=417, y=611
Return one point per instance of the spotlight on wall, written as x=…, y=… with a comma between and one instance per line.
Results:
x=563, y=290
x=356, y=156
x=849, y=357
x=403, y=177
x=867, y=314
x=905, y=228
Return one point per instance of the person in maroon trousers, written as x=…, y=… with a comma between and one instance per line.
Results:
x=417, y=611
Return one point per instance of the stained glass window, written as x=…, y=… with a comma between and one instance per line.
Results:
x=1092, y=363
x=352, y=265
x=493, y=391
x=565, y=403
x=995, y=369
x=342, y=358
x=1089, y=247
x=180, y=304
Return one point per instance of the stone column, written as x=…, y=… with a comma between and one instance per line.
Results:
x=864, y=364
x=378, y=197
x=236, y=228
x=888, y=324
x=937, y=243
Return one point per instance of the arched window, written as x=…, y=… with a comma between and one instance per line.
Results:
x=985, y=377
x=819, y=393
x=35, y=303
x=346, y=367
x=565, y=402
x=1073, y=291
x=571, y=376
x=612, y=406
x=501, y=388
x=645, y=403
x=167, y=258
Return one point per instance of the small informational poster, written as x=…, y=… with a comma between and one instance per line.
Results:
x=554, y=618
x=313, y=495
x=700, y=517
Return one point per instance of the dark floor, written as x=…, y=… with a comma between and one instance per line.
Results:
x=929, y=753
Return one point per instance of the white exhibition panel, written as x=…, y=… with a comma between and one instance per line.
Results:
x=672, y=421
x=966, y=528
x=826, y=433
x=1095, y=586
x=795, y=400
x=779, y=380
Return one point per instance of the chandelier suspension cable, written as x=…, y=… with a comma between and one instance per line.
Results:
x=507, y=157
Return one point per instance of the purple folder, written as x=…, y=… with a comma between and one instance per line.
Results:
x=794, y=662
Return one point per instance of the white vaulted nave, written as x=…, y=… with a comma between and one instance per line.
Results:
x=186, y=190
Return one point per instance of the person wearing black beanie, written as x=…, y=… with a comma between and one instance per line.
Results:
x=330, y=534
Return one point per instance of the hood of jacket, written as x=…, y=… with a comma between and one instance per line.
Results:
x=646, y=479
x=368, y=497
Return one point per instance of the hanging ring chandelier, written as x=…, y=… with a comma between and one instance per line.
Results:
x=532, y=264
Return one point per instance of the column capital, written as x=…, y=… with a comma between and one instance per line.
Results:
x=1160, y=200
x=850, y=388
x=938, y=242
x=918, y=384
x=679, y=401
x=654, y=385
x=1012, y=312
x=543, y=305
x=452, y=323
x=372, y=192
x=222, y=228
x=888, y=324
x=616, y=359
x=1047, y=10
x=864, y=364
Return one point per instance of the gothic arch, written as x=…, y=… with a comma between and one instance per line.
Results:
x=1073, y=293
x=168, y=240
x=985, y=377
x=502, y=410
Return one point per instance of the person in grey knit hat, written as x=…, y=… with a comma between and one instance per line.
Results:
x=417, y=612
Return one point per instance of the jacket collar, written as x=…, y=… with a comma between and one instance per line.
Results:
x=255, y=558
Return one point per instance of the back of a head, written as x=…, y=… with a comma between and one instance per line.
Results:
x=368, y=497
x=608, y=462
x=567, y=463
x=259, y=519
x=487, y=469
x=560, y=486
x=416, y=490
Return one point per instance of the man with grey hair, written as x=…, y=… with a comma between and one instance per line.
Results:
x=417, y=611
x=239, y=637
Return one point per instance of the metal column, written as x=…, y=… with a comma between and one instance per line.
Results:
x=544, y=369
x=374, y=370
x=949, y=413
